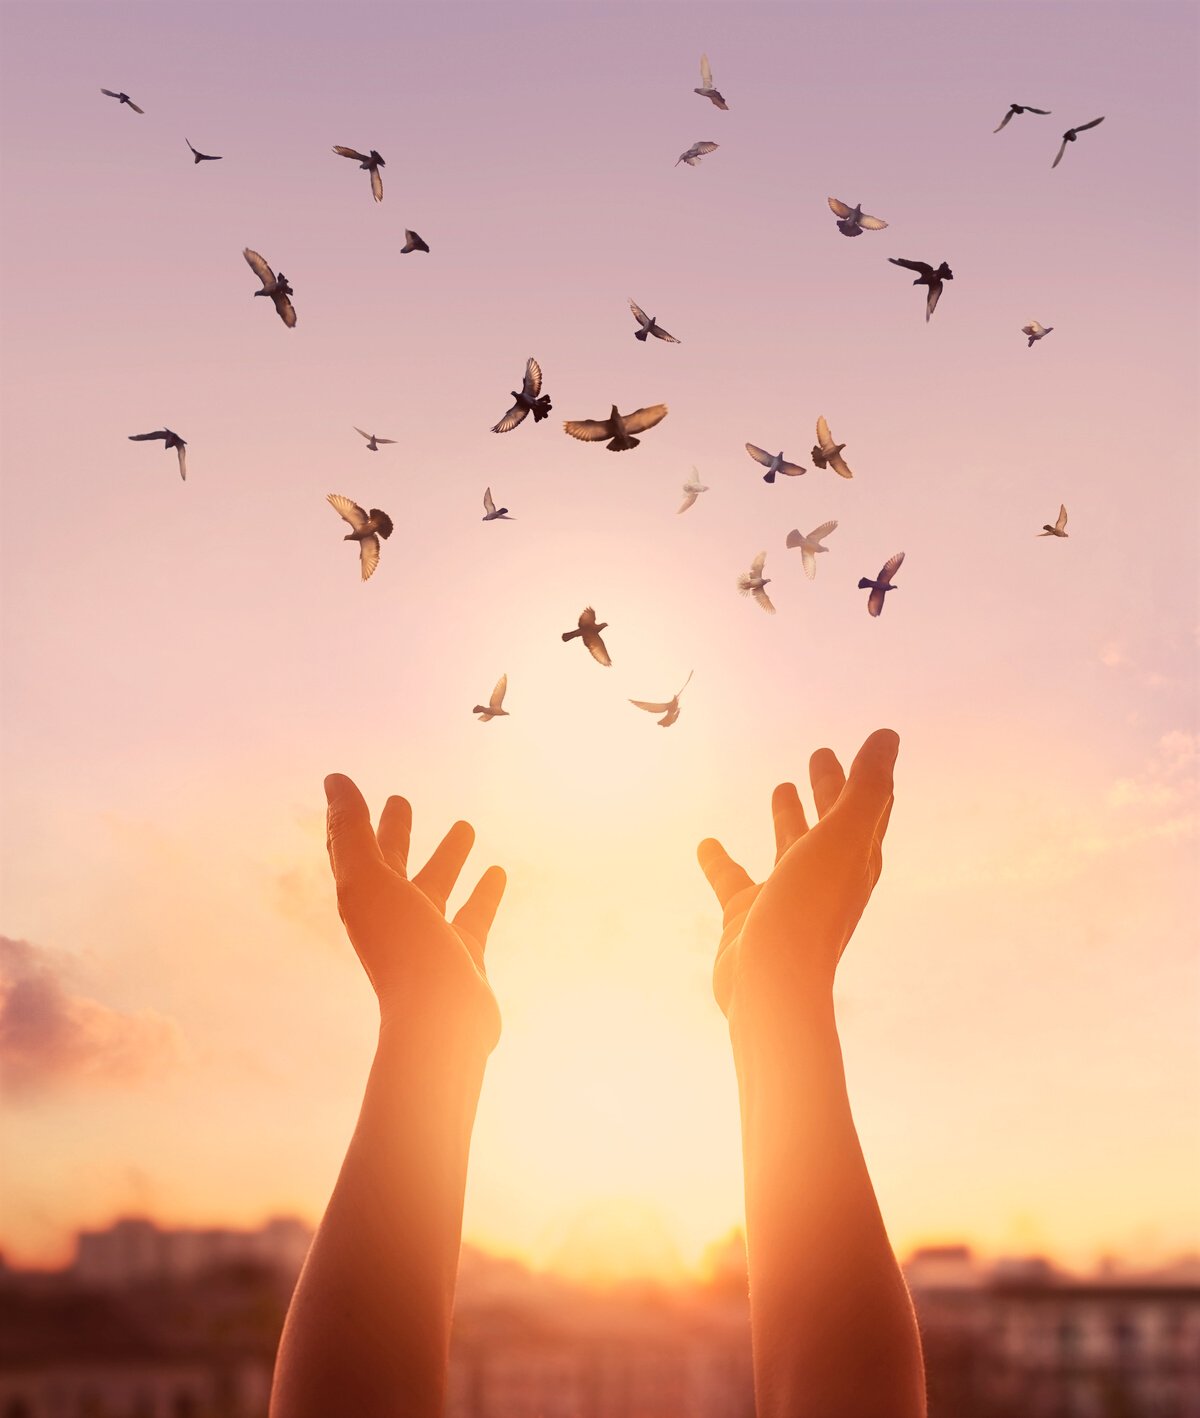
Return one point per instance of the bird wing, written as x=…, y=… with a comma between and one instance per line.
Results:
x=1043, y=111
x=705, y=72
x=763, y=599
x=376, y=184
x=822, y=531
x=136, y=109
x=287, y=311
x=760, y=455
x=590, y=430
x=839, y=209
x=642, y=419
x=488, y=504
x=890, y=567
x=690, y=495
x=1061, y=150
x=368, y=555
x=875, y=600
x=358, y=430
x=1083, y=127
x=497, y=698
x=872, y=223
x=638, y=313
x=792, y=470
x=351, y=153
x=701, y=148
x=110, y=93
x=532, y=385
x=756, y=566
x=1062, y=517
x=183, y=462
x=188, y=142
x=591, y=638
x=652, y=708
x=671, y=715
x=517, y=414
x=260, y=268
x=684, y=685
x=839, y=465
x=141, y=437
x=1007, y=119
x=348, y=510
x=920, y=266
x=385, y=440
x=661, y=334
x=931, y=300
x=810, y=562
x=824, y=438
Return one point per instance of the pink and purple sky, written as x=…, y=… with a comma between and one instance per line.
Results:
x=187, y=1029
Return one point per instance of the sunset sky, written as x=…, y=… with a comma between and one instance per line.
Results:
x=188, y=1030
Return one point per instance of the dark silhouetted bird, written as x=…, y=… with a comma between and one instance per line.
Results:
x=372, y=442
x=412, y=242
x=706, y=89
x=927, y=276
x=366, y=529
x=124, y=99
x=198, y=156
x=620, y=428
x=854, y=221
x=492, y=709
x=774, y=463
x=695, y=153
x=590, y=633
x=1035, y=332
x=753, y=583
x=1060, y=527
x=882, y=583
x=527, y=400
x=1070, y=135
x=372, y=162
x=669, y=710
x=170, y=440
x=1014, y=108
x=492, y=513
x=828, y=454
x=274, y=286
x=650, y=325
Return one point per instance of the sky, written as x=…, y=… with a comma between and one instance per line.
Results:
x=187, y=1031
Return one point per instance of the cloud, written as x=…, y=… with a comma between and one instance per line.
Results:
x=1169, y=784
x=54, y=1038
x=305, y=897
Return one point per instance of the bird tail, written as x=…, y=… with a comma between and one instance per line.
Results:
x=849, y=228
x=385, y=523
x=481, y=709
x=769, y=477
x=619, y=445
x=795, y=538
x=864, y=582
x=541, y=408
x=641, y=335
x=571, y=634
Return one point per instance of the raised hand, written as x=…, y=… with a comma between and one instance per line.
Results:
x=782, y=938
x=426, y=971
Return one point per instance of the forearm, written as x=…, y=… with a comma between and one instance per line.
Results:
x=834, y=1330
x=368, y=1329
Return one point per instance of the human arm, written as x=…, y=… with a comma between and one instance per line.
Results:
x=833, y=1328
x=368, y=1329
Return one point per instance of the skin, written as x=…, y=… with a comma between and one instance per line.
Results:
x=833, y=1326
x=368, y=1329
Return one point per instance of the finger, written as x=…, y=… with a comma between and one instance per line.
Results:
x=788, y=813
x=437, y=877
x=827, y=779
x=876, y=866
x=395, y=833
x=348, y=835
x=869, y=786
x=724, y=875
x=884, y=818
x=477, y=914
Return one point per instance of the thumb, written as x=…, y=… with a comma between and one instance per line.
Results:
x=348, y=833
x=868, y=789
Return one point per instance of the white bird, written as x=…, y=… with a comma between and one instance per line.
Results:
x=1059, y=528
x=774, y=463
x=670, y=709
x=170, y=440
x=1035, y=332
x=650, y=325
x=366, y=529
x=706, y=89
x=853, y=220
x=755, y=584
x=691, y=491
x=492, y=708
x=810, y=546
x=828, y=454
x=372, y=442
x=490, y=512
x=274, y=286
x=695, y=153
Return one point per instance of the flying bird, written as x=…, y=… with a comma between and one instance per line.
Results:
x=492, y=709
x=706, y=89
x=527, y=400
x=170, y=440
x=372, y=162
x=695, y=153
x=882, y=583
x=590, y=633
x=372, y=442
x=366, y=529
x=492, y=513
x=810, y=546
x=774, y=463
x=691, y=491
x=1060, y=527
x=650, y=326
x=753, y=583
x=620, y=428
x=1015, y=108
x=670, y=710
x=1035, y=332
x=927, y=276
x=124, y=99
x=275, y=286
x=854, y=221
x=1070, y=135
x=412, y=242
x=828, y=454
x=198, y=156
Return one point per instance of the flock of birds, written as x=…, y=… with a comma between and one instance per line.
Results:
x=370, y=526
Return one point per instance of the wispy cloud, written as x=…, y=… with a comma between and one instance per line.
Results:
x=54, y=1038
